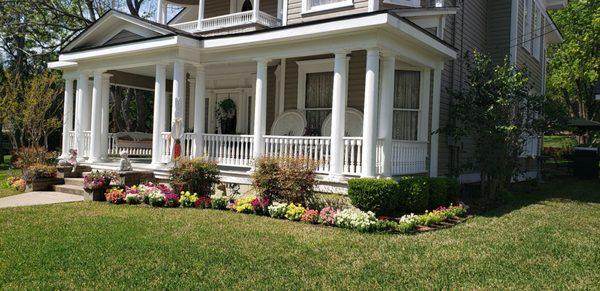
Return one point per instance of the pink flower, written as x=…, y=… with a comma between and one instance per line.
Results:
x=327, y=215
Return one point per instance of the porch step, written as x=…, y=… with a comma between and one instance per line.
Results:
x=70, y=189
x=74, y=182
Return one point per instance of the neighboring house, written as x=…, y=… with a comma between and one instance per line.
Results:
x=359, y=85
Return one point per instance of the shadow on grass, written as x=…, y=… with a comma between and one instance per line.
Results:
x=553, y=188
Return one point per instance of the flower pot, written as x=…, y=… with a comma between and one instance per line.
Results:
x=98, y=195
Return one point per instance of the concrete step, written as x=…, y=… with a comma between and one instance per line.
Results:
x=74, y=181
x=70, y=189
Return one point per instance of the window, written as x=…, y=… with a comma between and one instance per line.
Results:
x=527, y=16
x=537, y=33
x=407, y=89
x=411, y=3
x=319, y=90
x=320, y=5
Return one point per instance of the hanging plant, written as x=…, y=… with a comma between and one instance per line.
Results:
x=226, y=116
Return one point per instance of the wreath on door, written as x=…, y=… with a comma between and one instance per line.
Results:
x=227, y=116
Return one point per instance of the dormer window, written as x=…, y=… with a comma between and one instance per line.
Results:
x=309, y=6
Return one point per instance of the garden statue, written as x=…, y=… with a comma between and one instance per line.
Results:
x=125, y=164
x=71, y=161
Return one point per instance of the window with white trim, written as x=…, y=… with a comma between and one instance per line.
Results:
x=527, y=27
x=537, y=33
x=407, y=89
x=411, y=3
x=320, y=5
x=319, y=90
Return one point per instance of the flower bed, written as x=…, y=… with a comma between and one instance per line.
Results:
x=161, y=195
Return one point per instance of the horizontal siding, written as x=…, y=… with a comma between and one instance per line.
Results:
x=498, y=27
x=525, y=59
x=295, y=11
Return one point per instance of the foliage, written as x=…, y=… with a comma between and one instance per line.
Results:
x=197, y=176
x=356, y=219
x=16, y=183
x=116, y=196
x=41, y=107
x=285, y=179
x=327, y=215
x=438, y=192
x=294, y=212
x=310, y=216
x=132, y=199
x=188, y=199
x=496, y=111
x=453, y=190
x=244, y=205
x=156, y=199
x=277, y=210
x=430, y=218
x=377, y=195
x=172, y=200
x=39, y=171
x=407, y=223
x=98, y=180
x=414, y=194
x=260, y=205
x=25, y=157
x=574, y=66
x=205, y=202
x=219, y=202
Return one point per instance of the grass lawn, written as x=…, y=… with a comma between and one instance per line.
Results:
x=549, y=239
x=558, y=141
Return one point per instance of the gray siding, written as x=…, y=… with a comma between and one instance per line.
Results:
x=295, y=11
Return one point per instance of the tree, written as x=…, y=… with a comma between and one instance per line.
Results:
x=497, y=113
x=10, y=117
x=41, y=107
x=575, y=64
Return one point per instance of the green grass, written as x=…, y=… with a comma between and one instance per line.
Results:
x=558, y=141
x=549, y=239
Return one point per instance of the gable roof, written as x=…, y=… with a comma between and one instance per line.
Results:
x=113, y=23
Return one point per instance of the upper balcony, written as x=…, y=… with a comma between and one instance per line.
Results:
x=210, y=17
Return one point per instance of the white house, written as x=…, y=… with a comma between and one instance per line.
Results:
x=355, y=84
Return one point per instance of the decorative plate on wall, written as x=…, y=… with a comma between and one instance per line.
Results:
x=353, y=127
x=289, y=123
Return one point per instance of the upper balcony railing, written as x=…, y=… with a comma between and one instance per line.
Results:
x=229, y=21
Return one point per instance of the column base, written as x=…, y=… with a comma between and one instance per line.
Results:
x=335, y=178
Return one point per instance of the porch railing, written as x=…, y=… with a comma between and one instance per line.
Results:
x=87, y=141
x=352, y=155
x=166, y=146
x=409, y=157
x=229, y=21
x=229, y=150
x=114, y=148
x=316, y=148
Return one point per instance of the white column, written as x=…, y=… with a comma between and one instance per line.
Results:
x=370, y=113
x=82, y=87
x=87, y=108
x=191, y=102
x=260, y=108
x=373, y=5
x=105, y=115
x=199, y=111
x=200, y=13
x=67, y=116
x=178, y=101
x=386, y=112
x=255, y=10
x=435, y=121
x=96, y=122
x=338, y=114
x=158, y=122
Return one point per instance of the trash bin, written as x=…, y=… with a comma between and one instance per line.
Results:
x=585, y=162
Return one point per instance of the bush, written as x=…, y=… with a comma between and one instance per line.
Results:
x=115, y=196
x=277, y=210
x=291, y=180
x=327, y=215
x=414, y=194
x=244, y=205
x=25, y=157
x=197, y=176
x=132, y=199
x=438, y=192
x=356, y=219
x=187, y=199
x=37, y=171
x=156, y=199
x=261, y=205
x=310, y=216
x=453, y=187
x=218, y=202
x=377, y=195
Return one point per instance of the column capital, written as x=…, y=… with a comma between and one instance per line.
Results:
x=261, y=60
x=387, y=54
x=341, y=52
x=373, y=51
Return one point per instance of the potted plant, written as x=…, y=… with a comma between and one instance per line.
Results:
x=40, y=177
x=97, y=182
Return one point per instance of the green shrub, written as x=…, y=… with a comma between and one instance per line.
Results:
x=377, y=195
x=414, y=194
x=197, y=176
x=291, y=180
x=36, y=172
x=294, y=212
x=26, y=157
x=438, y=192
x=453, y=187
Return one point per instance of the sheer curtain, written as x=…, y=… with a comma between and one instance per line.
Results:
x=406, y=105
x=319, y=90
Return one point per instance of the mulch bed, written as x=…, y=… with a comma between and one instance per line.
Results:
x=443, y=225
